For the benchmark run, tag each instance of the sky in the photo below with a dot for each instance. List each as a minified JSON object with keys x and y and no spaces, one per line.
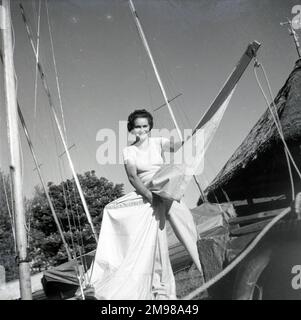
{"x":104,"y":74}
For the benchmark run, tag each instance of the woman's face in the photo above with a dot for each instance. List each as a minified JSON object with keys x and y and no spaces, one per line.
{"x":141,"y":128}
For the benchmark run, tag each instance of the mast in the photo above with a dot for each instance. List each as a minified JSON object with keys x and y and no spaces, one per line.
{"x":147,"y":48}
{"x":15,"y":161}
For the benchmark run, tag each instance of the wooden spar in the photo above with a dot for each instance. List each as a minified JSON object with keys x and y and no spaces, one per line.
{"x":229,"y":85}
{"x":15,"y":166}
{"x":46,"y":88}
{"x":43,"y":183}
{"x":147,"y":48}
{"x":170,"y":100}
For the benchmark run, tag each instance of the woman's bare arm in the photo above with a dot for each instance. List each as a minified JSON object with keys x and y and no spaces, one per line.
{"x":136,"y":182}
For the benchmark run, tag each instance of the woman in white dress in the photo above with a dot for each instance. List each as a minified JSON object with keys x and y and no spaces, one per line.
{"x":132,"y":260}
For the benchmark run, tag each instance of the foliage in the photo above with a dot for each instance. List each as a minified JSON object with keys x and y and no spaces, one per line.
{"x":7,"y":243}
{"x":46,"y":246}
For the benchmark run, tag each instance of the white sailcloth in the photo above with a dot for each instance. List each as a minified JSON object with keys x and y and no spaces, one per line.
{"x":171,"y":180}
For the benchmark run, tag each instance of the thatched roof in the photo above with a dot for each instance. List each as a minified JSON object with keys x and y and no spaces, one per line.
{"x":258,"y":167}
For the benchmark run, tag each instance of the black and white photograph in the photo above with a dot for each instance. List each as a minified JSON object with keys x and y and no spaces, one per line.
{"x":150,"y":150}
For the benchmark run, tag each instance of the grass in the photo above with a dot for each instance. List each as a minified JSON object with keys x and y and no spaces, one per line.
{"x":188,"y":280}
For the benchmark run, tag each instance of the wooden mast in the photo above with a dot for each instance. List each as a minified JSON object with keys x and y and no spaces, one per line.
{"x":15,"y":160}
{"x":40,"y":175}
{"x":147,"y":48}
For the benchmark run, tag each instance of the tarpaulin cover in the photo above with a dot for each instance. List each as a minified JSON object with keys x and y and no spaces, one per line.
{"x":66,"y":272}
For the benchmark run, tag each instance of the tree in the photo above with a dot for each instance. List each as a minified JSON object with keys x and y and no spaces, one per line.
{"x":7,"y":242}
{"x":46,"y":246}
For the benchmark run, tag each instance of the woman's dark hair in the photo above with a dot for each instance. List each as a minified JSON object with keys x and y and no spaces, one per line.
{"x":139,"y":114}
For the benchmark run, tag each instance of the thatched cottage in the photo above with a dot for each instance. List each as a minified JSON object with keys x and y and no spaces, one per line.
{"x":257,"y":173}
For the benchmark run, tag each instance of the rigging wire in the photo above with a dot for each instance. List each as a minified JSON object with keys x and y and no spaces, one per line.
{"x":56,"y":71}
{"x":277,"y":123}
{"x":36,"y":69}
{"x":37,"y":62}
{"x":34,"y":9}
{"x":81,"y":229}
{"x":51,"y":105}
{"x":272,"y":222}
{"x":62,"y":115}
{"x":58,"y":159}
{"x":78,"y":231}
{"x":77,"y":269}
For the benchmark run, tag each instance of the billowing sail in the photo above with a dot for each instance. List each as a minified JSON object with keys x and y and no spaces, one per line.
{"x":171,"y":180}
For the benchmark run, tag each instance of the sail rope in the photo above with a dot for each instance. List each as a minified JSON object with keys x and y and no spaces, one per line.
{"x":51,"y":105}
{"x":79,"y":235}
{"x":58,"y":86}
{"x":46,"y":88}
{"x":276,"y":119}
{"x":280,"y":216}
{"x":79,"y":232}
{"x":68,"y":201}
{"x":239,"y":258}
{"x":77,"y":268}
{"x":36,"y":70}
{"x":66,"y":210}
{"x":56,"y":71}
{"x":37,"y":61}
